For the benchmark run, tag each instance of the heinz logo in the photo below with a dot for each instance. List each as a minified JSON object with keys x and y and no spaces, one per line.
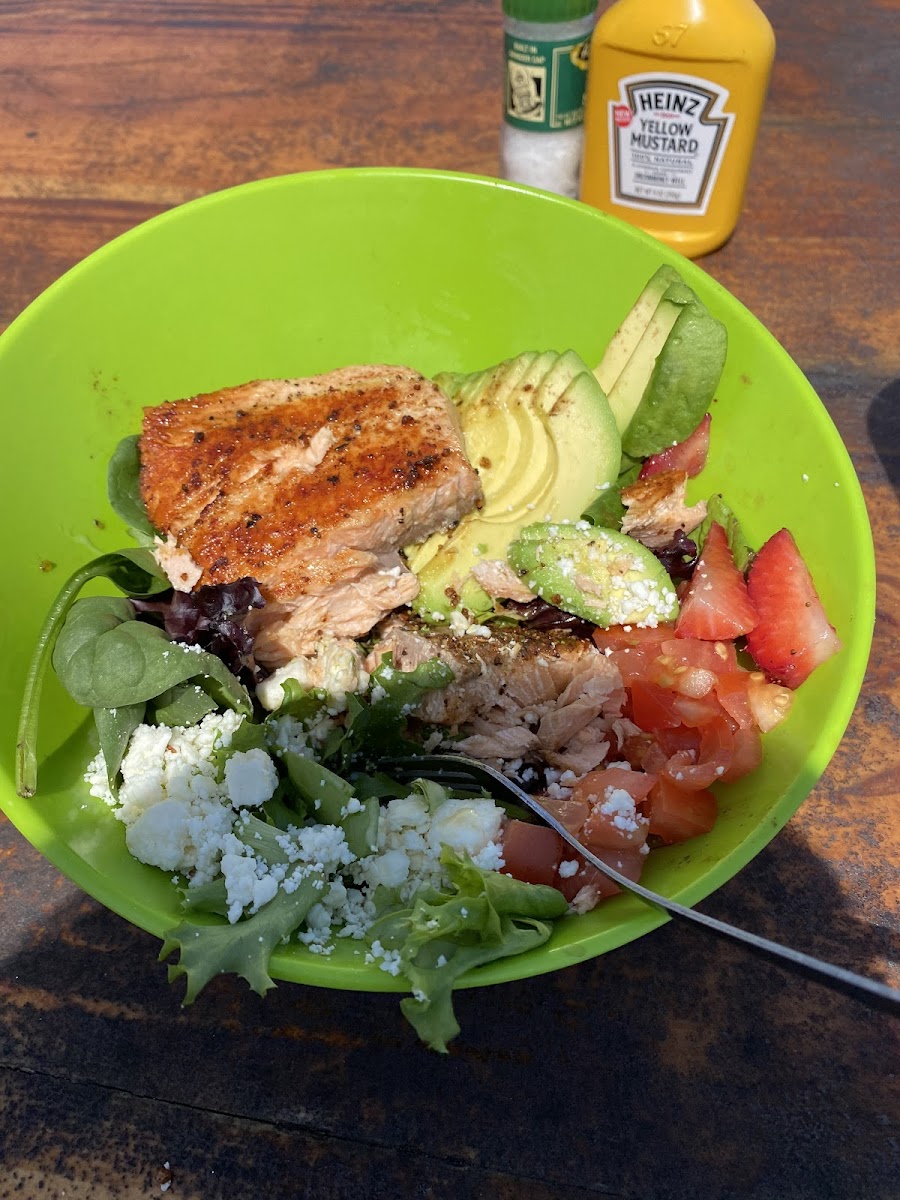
{"x":671,"y":102}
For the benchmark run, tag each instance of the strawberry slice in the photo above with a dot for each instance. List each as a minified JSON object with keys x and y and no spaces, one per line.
{"x":793,"y":634}
{"x":689,"y":455}
{"x":716,"y":606}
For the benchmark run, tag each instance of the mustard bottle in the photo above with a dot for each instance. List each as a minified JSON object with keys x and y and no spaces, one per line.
{"x":674,"y":96}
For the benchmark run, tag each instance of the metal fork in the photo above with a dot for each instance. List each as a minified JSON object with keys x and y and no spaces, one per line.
{"x":455,"y":770}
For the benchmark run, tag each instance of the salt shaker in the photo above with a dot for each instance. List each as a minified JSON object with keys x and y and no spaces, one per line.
{"x":546,"y":46}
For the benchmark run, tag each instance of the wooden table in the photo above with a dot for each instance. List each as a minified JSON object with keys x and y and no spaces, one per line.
{"x":672,"y":1068}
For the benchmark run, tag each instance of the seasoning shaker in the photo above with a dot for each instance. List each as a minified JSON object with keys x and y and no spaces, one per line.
{"x":546,"y":44}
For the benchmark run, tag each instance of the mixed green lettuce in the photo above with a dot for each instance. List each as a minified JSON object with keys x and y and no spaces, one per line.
{"x":442,"y":935}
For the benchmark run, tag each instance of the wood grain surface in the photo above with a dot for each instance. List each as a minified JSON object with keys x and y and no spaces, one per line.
{"x":672,"y":1068}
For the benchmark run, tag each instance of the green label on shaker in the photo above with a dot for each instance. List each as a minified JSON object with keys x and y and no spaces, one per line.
{"x":545,"y":83}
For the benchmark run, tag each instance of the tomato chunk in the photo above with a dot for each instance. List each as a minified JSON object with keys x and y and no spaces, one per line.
{"x":531,"y":852}
{"x":618,"y":637}
{"x":653,"y":707}
{"x":597,"y":886}
{"x":595,"y":784}
{"x":676,"y":815}
{"x":572,"y":813}
{"x":717,"y":657}
{"x":747,"y":753}
{"x":712,"y":761}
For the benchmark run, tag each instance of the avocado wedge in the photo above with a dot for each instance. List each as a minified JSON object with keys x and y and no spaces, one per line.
{"x":667,"y":364}
{"x":624,"y":341}
{"x":598,"y":574}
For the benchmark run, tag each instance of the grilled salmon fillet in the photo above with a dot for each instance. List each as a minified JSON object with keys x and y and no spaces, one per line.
{"x":309,"y":486}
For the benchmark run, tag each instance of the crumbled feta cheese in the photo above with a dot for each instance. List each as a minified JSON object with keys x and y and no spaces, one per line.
{"x":159,"y":836}
{"x":466,"y":825}
{"x":250,"y":778}
{"x":335,"y":666}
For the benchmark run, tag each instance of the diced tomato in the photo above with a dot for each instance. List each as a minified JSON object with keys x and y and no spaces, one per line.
{"x":769,"y":703}
{"x":640,"y":662}
{"x":676,"y":815}
{"x":570,"y":812}
{"x":635,"y":748}
{"x":629,"y":863}
{"x":671,"y":741}
{"x":655,"y":757}
{"x":717,"y":657}
{"x":653,"y":707}
{"x":531,"y":852}
{"x":618,"y":637}
{"x":747,"y":752}
{"x":717,"y":606}
{"x":689,"y":455}
{"x":691,"y":773}
{"x":595,"y":784}
{"x":697,"y":711}
{"x":608,"y":830}
{"x":731,"y":692}
{"x":601,"y":832}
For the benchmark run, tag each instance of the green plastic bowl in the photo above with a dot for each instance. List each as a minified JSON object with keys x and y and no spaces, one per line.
{"x":304,"y":273}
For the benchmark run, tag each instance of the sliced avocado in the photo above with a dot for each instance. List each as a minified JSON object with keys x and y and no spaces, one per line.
{"x":634,"y":378}
{"x":625,"y":339}
{"x":683,"y":383}
{"x":542,"y":437}
{"x":598,"y":574}
{"x":450,"y":382}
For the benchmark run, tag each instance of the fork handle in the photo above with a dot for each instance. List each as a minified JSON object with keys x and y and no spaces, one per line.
{"x":838,"y":978}
{"x":460,"y":769}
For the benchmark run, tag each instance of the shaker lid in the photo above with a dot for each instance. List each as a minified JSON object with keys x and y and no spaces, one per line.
{"x":548,"y":12}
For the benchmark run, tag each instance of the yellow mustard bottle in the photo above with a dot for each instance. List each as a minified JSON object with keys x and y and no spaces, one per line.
{"x":674,"y":96}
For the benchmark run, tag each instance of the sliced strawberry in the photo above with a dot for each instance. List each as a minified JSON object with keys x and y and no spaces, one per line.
{"x":793,"y":634}
{"x":689,"y":455}
{"x":716,"y":606}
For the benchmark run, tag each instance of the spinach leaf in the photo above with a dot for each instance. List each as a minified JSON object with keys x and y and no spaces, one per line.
{"x":284,"y":807}
{"x":123,"y":486}
{"x":247,"y":736}
{"x":303,"y":704}
{"x":185,"y":704}
{"x":608,"y":510}
{"x":376,"y":724}
{"x":115,"y":727}
{"x":133,"y":571}
{"x":105,"y":658}
{"x":717,"y":510}
{"x":332,"y":802}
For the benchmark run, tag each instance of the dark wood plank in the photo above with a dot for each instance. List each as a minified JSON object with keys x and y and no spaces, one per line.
{"x":666,"y":1053}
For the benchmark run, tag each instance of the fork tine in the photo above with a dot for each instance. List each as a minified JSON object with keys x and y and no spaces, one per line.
{"x":453,"y":770}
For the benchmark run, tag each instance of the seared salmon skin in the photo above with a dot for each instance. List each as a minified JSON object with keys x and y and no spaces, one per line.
{"x":309,"y":486}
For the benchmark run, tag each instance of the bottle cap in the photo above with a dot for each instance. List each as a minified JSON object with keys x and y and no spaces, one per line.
{"x":548,"y":12}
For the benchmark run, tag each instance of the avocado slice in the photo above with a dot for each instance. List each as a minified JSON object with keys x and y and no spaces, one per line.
{"x":598,"y":574}
{"x":683,"y":383}
{"x":629,"y":389}
{"x":673,"y":369}
{"x":624,"y":341}
{"x":540,"y":433}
